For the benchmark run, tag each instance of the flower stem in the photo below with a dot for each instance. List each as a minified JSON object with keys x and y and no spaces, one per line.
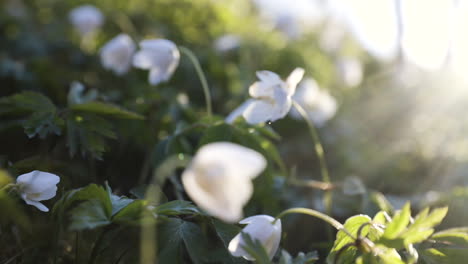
{"x":201,"y":76}
{"x":300,"y":210}
{"x":317,"y":145}
{"x":327,"y":199}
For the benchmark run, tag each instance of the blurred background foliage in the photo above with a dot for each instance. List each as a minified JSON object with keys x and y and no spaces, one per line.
{"x":401,"y":130}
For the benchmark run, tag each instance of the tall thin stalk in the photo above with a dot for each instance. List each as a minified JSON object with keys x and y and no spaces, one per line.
{"x":201,"y":76}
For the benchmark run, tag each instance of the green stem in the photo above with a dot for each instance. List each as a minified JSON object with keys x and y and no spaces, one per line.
{"x":201,"y":76}
{"x":327,"y":199}
{"x":317,"y":145}
{"x":300,"y":210}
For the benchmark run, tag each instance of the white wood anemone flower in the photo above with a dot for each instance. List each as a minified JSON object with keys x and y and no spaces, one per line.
{"x":219,"y":178}
{"x":159,"y":56}
{"x":117,"y":54}
{"x":261,"y":228}
{"x":86,"y":19}
{"x":37,"y":186}
{"x":319,"y":104}
{"x":271,"y":98}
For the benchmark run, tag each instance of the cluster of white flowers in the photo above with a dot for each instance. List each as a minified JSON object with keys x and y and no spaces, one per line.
{"x":159,"y":56}
{"x":219,"y":180}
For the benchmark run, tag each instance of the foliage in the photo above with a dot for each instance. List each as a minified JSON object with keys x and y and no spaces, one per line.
{"x":62,"y":112}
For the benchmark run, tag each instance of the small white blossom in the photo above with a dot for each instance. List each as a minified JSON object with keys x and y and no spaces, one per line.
{"x":350,"y":71}
{"x":86,"y":18}
{"x":159,"y":56}
{"x":219,"y":178}
{"x":37,"y":186}
{"x":117,"y":54}
{"x":319,"y":104}
{"x":271,"y":98}
{"x":261,"y":228}
{"x":227,"y":43}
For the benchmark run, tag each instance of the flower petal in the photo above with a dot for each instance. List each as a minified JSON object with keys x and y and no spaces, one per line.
{"x":293,"y":79}
{"x":37,"y":181}
{"x":143,"y":59}
{"x":261,"y":228}
{"x":269,"y":77}
{"x":258,"y":111}
{"x":219,"y":178}
{"x":117,"y":54}
{"x":238,"y":111}
{"x":37,"y":204}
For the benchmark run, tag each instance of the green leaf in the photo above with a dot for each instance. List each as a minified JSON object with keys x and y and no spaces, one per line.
{"x":26,"y":102}
{"x":218,"y":132}
{"x":423,"y":225}
{"x":382,"y":202}
{"x":105,"y":109}
{"x":399,"y":223}
{"x":384,"y":256}
{"x":89,"y":215}
{"x":90,"y":192}
{"x":352,"y":225}
{"x":180,"y":240}
{"x":118,"y":202}
{"x":255,"y":249}
{"x":38,"y":111}
{"x":177,"y":207}
{"x":88,"y":134}
{"x":132,"y":213}
{"x":450,"y":246}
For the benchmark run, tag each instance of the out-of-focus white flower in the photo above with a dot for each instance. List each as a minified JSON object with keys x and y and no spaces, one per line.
{"x":37,"y":186}
{"x":86,"y":18}
{"x":227,"y":43}
{"x":319,"y":104}
{"x":350,"y":71}
{"x":259,"y":227}
{"x":271,"y":98}
{"x":219,"y":178}
{"x":160,"y":56}
{"x":117,"y":54}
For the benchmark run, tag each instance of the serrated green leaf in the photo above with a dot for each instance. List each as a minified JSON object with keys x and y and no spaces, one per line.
{"x":89,"y":215}
{"x":352,"y":225}
{"x":449,"y":246}
{"x":399,"y":223}
{"x":178,"y":238}
{"x":132,"y":213}
{"x":176,"y":207}
{"x":105,"y":109}
{"x":118,"y":202}
{"x":38,"y":115}
{"x":90,"y":192}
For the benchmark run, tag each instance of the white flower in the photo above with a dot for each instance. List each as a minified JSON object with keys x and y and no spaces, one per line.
{"x":319,"y":104}
{"x":350,"y":71}
{"x":271,"y":98}
{"x":227,"y":43}
{"x":160,"y":56}
{"x":117,"y":54}
{"x":259,"y":227}
{"x":219,"y":178}
{"x":37,"y":186}
{"x":86,"y":18}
